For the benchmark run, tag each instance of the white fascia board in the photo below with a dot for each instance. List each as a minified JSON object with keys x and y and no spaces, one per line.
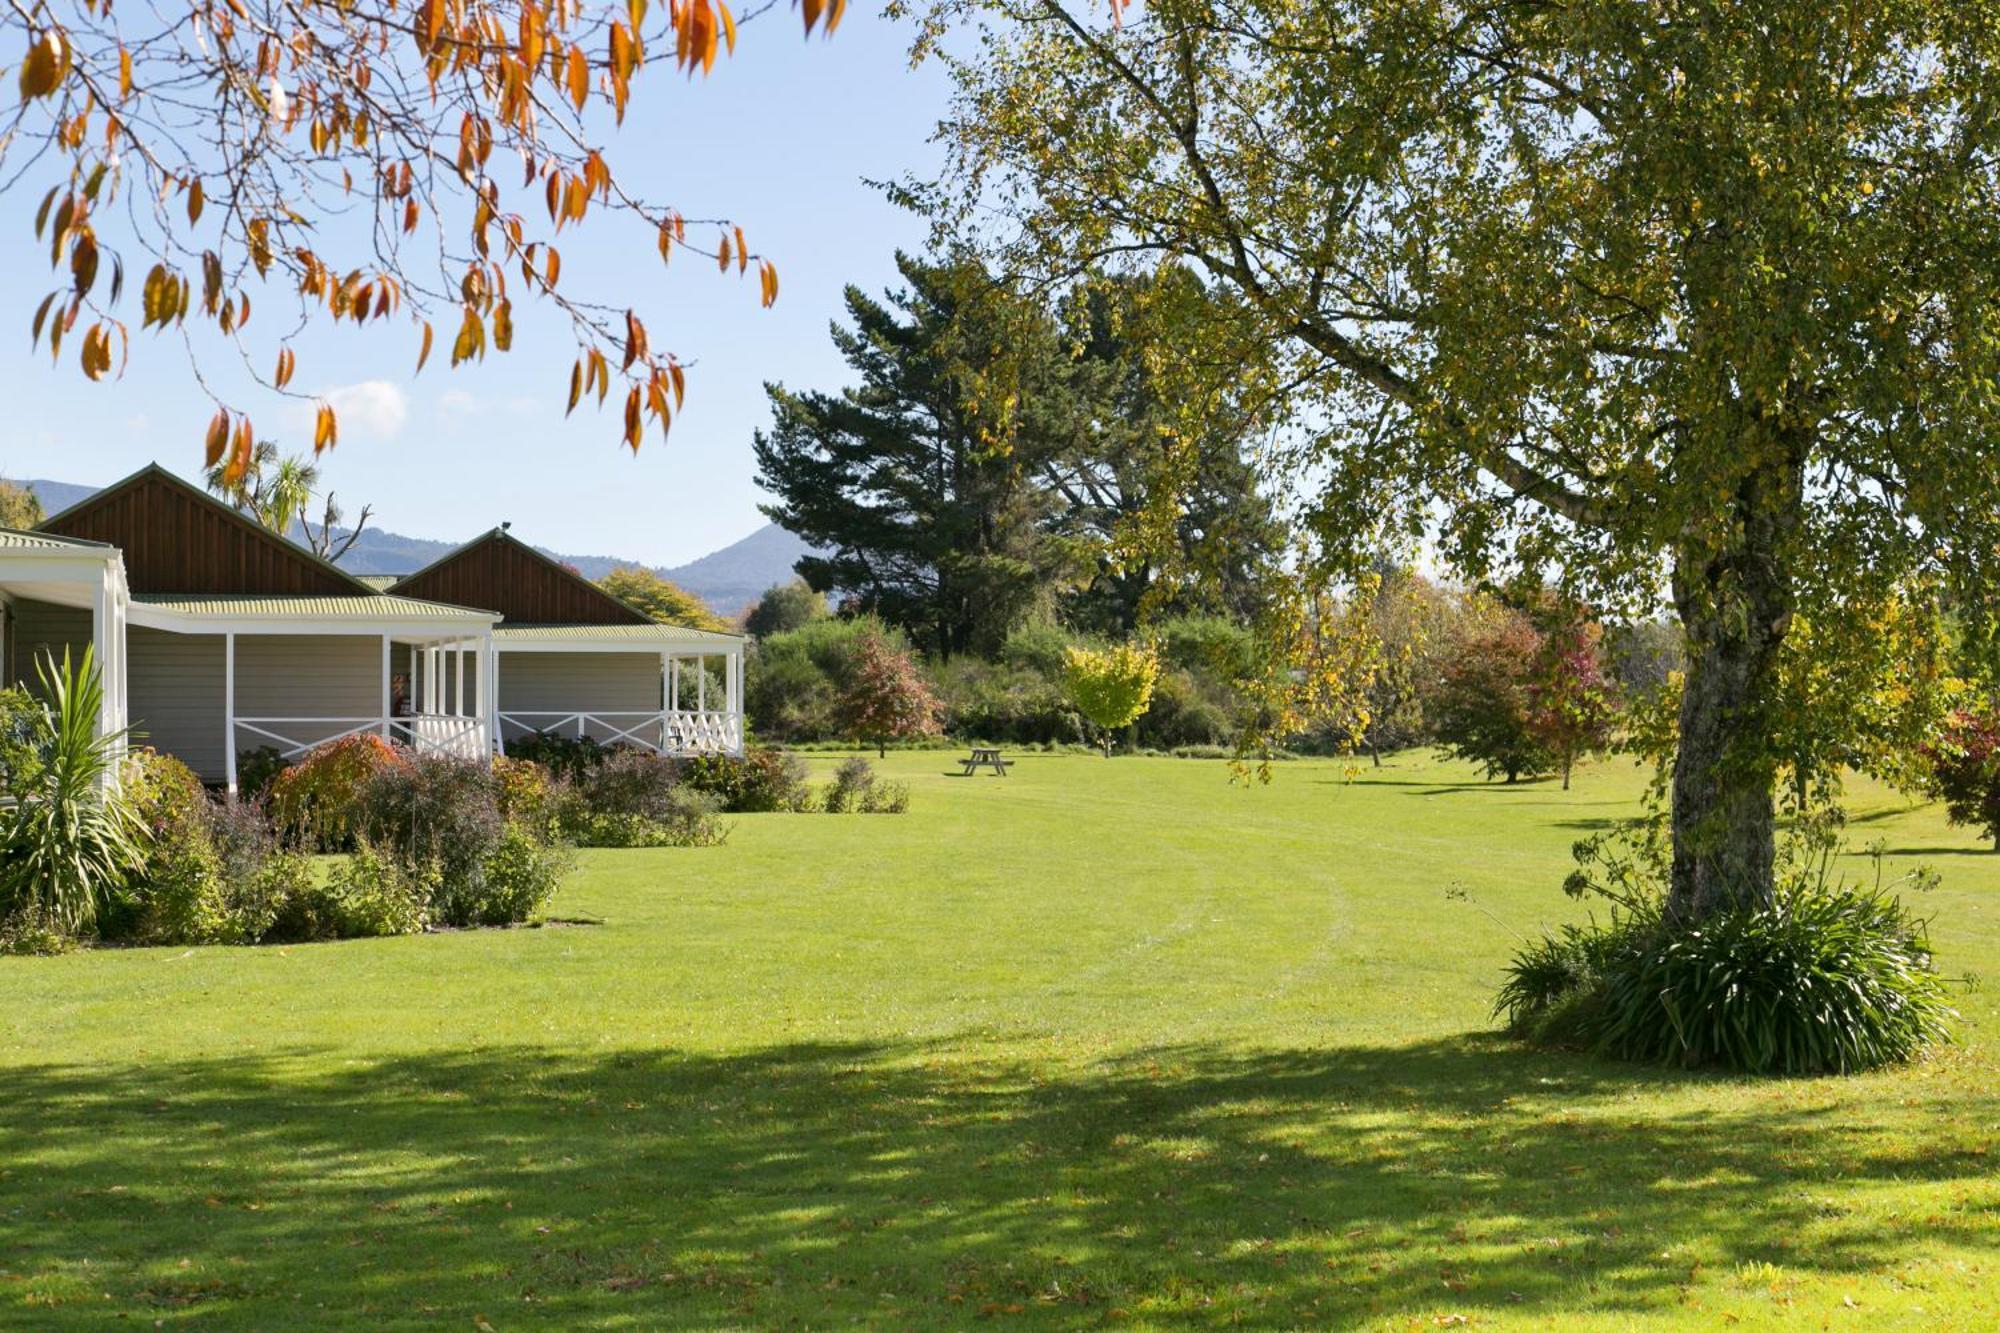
{"x":420,"y":628}
{"x":646,"y":648}
{"x":60,"y":566}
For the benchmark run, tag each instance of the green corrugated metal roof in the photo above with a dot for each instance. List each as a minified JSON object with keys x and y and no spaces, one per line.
{"x":18,"y":539}
{"x":378,"y":606}
{"x":639,"y":635}
{"x":380,"y":582}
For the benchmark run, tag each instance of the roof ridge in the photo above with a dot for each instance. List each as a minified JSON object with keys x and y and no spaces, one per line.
{"x":214,"y":502}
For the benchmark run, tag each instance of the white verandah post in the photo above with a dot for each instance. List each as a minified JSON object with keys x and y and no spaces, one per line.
{"x":489,"y":698}
{"x":388,"y":670}
{"x":229,"y":709}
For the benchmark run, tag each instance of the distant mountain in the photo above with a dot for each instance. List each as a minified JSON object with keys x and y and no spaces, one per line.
{"x":57,"y":496}
{"x":729,"y":580}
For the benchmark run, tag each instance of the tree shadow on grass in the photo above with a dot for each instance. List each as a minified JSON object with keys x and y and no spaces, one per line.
{"x":916,"y":1185}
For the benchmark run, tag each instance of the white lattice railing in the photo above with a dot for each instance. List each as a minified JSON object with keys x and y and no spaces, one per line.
{"x":663,"y":731}
{"x":441,"y":733}
{"x":300,"y":733}
{"x":426,"y":733}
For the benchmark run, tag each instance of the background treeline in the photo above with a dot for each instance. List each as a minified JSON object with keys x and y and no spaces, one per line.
{"x":1004,"y":481}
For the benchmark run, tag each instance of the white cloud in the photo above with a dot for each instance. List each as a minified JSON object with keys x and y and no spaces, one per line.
{"x":374,"y":409}
{"x":456,"y":404}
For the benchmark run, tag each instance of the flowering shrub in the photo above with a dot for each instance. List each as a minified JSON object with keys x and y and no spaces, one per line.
{"x":316,"y":801}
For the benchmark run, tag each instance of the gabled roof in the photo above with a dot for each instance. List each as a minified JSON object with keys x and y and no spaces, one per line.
{"x":499,"y":571}
{"x":177,"y":538}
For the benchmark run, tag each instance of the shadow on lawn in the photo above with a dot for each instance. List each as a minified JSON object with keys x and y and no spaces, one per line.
{"x":913,"y":1185}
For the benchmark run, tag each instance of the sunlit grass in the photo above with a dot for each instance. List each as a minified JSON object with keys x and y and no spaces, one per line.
{"x":1098,"y":1043}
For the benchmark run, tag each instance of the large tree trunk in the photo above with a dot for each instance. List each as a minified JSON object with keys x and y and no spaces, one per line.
{"x":1734,"y":595}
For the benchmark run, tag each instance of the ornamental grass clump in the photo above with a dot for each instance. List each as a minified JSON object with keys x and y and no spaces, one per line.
{"x":1827,"y":977}
{"x":71,"y":840}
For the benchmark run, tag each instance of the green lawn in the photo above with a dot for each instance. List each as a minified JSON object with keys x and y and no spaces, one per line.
{"x":1102,"y":1043}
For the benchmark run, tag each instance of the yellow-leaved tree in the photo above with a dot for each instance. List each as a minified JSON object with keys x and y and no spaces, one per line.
{"x":1111,"y":687}
{"x":196,"y":152}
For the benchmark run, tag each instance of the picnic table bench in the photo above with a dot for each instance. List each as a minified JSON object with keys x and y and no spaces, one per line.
{"x":987,"y":757}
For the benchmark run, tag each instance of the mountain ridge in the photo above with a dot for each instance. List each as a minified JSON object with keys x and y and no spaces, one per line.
{"x":729,"y":579}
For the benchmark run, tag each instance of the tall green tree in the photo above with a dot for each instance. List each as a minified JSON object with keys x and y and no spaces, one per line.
{"x":1686,"y":300}
{"x":916,"y":480}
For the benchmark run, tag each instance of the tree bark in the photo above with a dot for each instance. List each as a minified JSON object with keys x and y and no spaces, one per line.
{"x":1734,"y":596}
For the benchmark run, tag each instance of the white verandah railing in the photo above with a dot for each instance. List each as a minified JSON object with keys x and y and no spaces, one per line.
{"x":672,"y":731}
{"x":426,"y":733}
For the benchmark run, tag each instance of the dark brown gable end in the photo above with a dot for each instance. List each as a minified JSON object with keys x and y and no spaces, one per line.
{"x":502,"y":574}
{"x":177,"y":539}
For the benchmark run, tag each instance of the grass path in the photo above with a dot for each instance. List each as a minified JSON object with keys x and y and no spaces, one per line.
{"x":1101,"y":1044}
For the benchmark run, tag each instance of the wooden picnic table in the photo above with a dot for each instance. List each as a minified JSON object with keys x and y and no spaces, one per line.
{"x":985,"y":756}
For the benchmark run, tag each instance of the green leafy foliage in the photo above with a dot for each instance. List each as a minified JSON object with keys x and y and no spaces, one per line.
{"x":257,"y":769}
{"x":176,"y":895}
{"x":1828,"y":977}
{"x":373,"y":892}
{"x":71,"y":841}
{"x":857,"y":789}
{"x":793,"y":681}
{"x":1760,"y":389}
{"x":991,"y":463}
{"x":784,"y":608}
{"x":20,"y":724}
{"x":762,"y":780}
{"x":561,"y":756}
{"x":440,"y":813}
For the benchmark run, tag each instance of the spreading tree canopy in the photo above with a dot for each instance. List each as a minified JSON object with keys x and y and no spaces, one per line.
{"x":192,"y":154}
{"x":1680,"y":298}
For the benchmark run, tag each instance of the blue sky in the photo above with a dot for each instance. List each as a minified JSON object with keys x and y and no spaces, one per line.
{"x":780,"y":137}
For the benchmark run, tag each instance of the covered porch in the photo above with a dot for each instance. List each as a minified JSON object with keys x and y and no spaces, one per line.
{"x":64,"y":595}
{"x":217,"y":679}
{"x":663,"y":688}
